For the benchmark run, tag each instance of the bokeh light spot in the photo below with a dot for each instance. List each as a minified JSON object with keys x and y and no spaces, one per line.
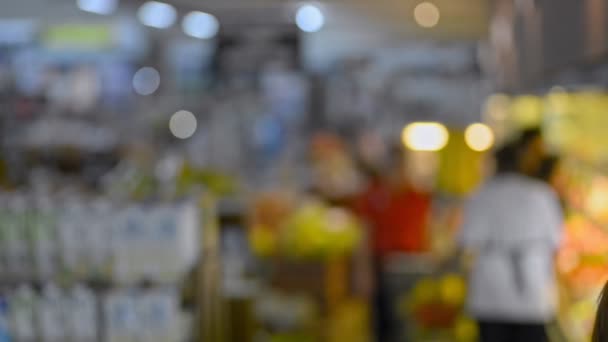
{"x":157,"y":14}
{"x":182,"y":124}
{"x":200,"y":25}
{"x":103,"y":7}
{"x":425,"y":136}
{"x":427,"y":14}
{"x":479,"y":137}
{"x":146,"y":81}
{"x":310,"y":18}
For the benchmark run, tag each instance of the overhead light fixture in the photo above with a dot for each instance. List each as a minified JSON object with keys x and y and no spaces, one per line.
{"x":200,"y":25}
{"x":425,"y":136}
{"x":479,"y":137}
{"x":310,"y":18}
{"x":103,"y":7}
{"x":157,"y":14}
{"x":182,"y":124}
{"x":427,"y":14}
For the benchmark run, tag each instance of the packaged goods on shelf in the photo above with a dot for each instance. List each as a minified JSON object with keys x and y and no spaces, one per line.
{"x":76,"y":255}
{"x":54,"y":314}
{"x":4,"y":321}
{"x":80,"y":313}
{"x":165,"y":234}
{"x":151,"y":315}
{"x":22,"y":305}
{"x":92,"y":239}
{"x":82,"y":316}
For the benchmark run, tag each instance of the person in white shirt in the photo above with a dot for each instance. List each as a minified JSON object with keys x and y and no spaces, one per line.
{"x":512,"y":226}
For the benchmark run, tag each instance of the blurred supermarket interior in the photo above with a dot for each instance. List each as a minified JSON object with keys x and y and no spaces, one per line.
{"x":195,"y":170}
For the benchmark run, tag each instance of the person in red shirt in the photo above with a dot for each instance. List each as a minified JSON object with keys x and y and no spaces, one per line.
{"x":395,"y":211}
{"x":396,"y":214}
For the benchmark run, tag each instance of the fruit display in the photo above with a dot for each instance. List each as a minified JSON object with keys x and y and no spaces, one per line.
{"x":317,"y":231}
{"x":585,"y":190}
{"x":435,"y":306}
{"x":583,"y":257}
{"x":574,"y":124}
{"x":582,"y":260}
{"x":310,"y":230}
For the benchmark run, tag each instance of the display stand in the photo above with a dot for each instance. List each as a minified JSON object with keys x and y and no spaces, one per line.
{"x":210,"y":312}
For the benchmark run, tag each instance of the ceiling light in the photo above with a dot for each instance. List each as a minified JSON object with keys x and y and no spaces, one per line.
{"x":310,"y":18}
{"x":157,"y":14}
{"x":103,"y":7}
{"x":479,"y":137}
{"x":427,"y":14}
{"x":200,"y":25}
{"x":425,"y":136}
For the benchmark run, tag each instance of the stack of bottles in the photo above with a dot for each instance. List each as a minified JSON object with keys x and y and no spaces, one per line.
{"x":76,"y":268}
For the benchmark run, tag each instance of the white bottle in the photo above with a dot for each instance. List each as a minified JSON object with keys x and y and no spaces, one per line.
{"x":98,"y":244}
{"x":4,"y":216}
{"x":51,"y":314}
{"x":128,"y":246}
{"x":161,"y":244}
{"x":23,"y":305}
{"x":158,"y":316}
{"x":120,"y":317}
{"x":82,"y":319}
{"x":43,"y":232}
{"x":18,"y":258}
{"x":69,"y":237}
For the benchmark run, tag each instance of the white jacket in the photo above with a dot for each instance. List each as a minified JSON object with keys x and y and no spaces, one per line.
{"x":513,"y":225}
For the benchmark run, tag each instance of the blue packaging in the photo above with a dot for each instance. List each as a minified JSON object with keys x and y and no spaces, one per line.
{"x":4,"y":329}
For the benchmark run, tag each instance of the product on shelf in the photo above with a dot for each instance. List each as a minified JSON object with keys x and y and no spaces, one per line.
{"x":582,"y":257}
{"x":22,"y":310}
{"x":65,"y":255}
{"x":81,"y":314}
{"x":315,"y":230}
{"x":436,"y":308}
{"x":5,"y":333}
{"x":279,"y":226}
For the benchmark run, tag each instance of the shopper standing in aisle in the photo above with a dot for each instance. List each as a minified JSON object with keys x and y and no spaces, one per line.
{"x":512,"y":227}
{"x":396,"y":213}
{"x":531,"y":152}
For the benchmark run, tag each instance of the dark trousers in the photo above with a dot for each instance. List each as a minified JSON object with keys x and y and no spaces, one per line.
{"x":382,"y":306}
{"x":511,"y":332}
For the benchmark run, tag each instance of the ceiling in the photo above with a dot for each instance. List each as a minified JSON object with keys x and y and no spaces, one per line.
{"x":460,"y":19}
{"x":353,"y":27}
